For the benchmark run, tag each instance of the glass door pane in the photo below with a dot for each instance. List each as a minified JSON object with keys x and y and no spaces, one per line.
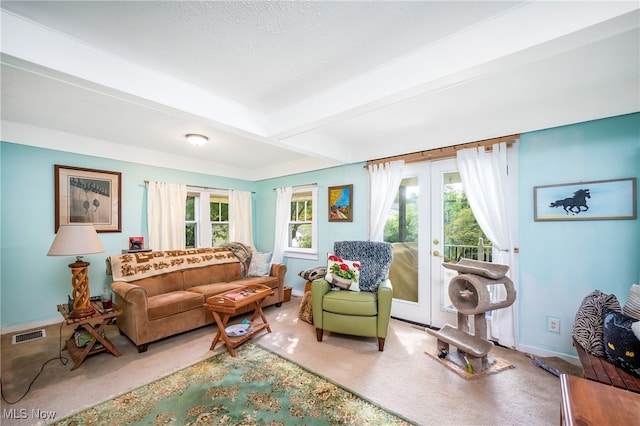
{"x":445,"y":181}
{"x":402,"y":231}
{"x":407,"y":229}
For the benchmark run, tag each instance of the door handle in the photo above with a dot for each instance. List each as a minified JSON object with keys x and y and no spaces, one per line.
{"x":436,"y":253}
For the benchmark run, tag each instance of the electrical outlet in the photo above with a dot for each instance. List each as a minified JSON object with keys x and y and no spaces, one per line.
{"x":553,"y":324}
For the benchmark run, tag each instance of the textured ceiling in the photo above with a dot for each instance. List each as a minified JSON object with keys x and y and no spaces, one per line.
{"x":285,"y":87}
{"x":262,"y":54}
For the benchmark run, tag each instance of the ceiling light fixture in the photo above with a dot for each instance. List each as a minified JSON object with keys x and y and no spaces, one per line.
{"x":196,"y":139}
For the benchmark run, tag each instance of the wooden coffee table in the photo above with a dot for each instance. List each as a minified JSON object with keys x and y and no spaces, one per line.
{"x":227,"y":304}
{"x":102,"y":319}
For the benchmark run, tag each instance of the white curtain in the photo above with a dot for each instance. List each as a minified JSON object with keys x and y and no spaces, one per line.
{"x":283,"y":216}
{"x":490,"y":182}
{"x":240,"y":217}
{"x":166,"y":208}
{"x":384,"y":181}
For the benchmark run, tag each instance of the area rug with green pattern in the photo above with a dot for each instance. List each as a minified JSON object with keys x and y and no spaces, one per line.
{"x":256,"y":387}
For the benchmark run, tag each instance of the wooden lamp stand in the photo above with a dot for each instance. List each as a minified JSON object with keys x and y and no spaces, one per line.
{"x":81,"y":295}
{"x":78,"y":240}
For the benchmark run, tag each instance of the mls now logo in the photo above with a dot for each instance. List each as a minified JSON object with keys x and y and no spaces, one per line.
{"x":23,"y":413}
{"x":15,"y":413}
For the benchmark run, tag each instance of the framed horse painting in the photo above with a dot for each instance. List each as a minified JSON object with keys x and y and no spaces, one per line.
{"x":596,"y":200}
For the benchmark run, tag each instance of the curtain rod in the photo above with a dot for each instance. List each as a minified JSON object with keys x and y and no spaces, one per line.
{"x":445,"y":152}
{"x":298,"y":186}
{"x":204,"y":187}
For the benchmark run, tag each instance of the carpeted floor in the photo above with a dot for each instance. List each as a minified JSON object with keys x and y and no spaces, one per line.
{"x":402,"y":379}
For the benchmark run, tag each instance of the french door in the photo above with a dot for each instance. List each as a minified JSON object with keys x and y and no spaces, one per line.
{"x":416,"y":229}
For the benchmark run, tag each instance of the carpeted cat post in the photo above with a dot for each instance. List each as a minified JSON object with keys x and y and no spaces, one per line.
{"x":469,"y":293}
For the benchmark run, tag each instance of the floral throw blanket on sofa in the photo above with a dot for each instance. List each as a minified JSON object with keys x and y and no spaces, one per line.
{"x":134,"y":266}
{"x":243,"y":253}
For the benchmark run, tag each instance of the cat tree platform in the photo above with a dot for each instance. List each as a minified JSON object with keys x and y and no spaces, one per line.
{"x":470,"y":295}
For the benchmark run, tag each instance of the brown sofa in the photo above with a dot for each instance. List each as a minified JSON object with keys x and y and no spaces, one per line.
{"x":162,"y":293}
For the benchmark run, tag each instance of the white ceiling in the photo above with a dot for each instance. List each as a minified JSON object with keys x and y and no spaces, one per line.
{"x":286,"y":87}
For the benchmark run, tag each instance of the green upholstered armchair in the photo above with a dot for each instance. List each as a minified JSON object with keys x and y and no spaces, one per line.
{"x":359,"y":313}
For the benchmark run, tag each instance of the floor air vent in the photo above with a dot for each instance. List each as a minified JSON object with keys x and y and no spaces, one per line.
{"x":31,"y":335}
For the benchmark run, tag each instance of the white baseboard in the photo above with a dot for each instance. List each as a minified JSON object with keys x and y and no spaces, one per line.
{"x":573,"y":359}
{"x":18,"y":328}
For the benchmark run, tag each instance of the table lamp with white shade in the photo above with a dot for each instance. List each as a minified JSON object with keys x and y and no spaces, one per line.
{"x":78,"y":240}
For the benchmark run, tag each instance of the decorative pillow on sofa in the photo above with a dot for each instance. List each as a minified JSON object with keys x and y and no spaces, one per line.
{"x":343,"y":274}
{"x":622,"y":347}
{"x":260,"y":265}
{"x":313,"y":273}
{"x":587,"y":327}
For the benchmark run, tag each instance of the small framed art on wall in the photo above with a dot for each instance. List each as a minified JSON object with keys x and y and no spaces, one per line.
{"x":341,"y":203}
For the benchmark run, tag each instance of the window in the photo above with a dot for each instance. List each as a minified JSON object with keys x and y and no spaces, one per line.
{"x":215,"y":214}
{"x":219,"y":215}
{"x":302,"y":225}
{"x":191,"y":223}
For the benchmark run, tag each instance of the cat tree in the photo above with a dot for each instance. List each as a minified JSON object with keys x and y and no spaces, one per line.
{"x":469,"y":294}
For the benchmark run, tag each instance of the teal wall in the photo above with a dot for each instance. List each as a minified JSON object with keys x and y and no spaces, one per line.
{"x":328,"y":232}
{"x":32,"y":282}
{"x":560,"y":262}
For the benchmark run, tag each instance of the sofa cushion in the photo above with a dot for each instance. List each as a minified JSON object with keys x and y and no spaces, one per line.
{"x":155,"y":286}
{"x":211,"y":274}
{"x":209,"y":290}
{"x":174,"y":302}
{"x":350,"y":303}
{"x":268,"y":281}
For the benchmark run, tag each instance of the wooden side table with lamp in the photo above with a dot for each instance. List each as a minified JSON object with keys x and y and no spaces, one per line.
{"x":79,"y":240}
{"x":98,"y":342}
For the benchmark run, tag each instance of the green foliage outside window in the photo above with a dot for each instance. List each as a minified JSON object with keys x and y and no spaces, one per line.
{"x":301,"y":235}
{"x":218,"y":216}
{"x":460,"y":226}
{"x":300,"y":228}
{"x":191,"y":208}
{"x":392,"y":229}
{"x":219,"y":212}
{"x":190,"y":228}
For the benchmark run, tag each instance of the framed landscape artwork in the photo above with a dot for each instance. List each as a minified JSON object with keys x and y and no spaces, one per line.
{"x":596,"y":200}
{"x":341,"y":203}
{"x":88,"y":196}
